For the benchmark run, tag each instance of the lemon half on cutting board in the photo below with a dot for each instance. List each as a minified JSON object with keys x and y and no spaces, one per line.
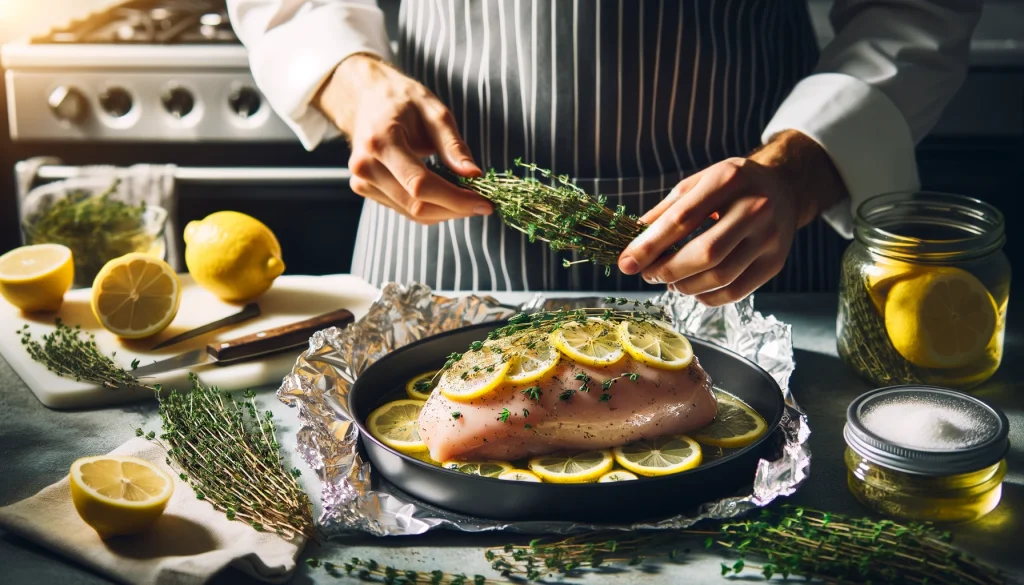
{"x":119,"y":495}
{"x":135,"y":296}
{"x":36,"y":278}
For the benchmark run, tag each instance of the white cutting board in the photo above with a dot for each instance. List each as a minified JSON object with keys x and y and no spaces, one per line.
{"x":290,"y":299}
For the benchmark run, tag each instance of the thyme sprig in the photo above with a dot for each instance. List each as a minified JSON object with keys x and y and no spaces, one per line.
{"x":374,"y":572}
{"x":788,"y":541}
{"x":553,"y":209}
{"x":228,"y":452}
{"x":70,"y":353}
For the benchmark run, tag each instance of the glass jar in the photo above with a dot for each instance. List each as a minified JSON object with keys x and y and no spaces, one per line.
{"x":925,"y":453}
{"x":85,"y":215}
{"x":923,"y":291}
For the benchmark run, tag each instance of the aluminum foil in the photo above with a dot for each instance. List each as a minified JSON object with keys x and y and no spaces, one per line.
{"x":354,"y":500}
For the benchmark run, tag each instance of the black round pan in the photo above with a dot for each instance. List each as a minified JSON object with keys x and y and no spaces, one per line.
{"x":624,"y":501}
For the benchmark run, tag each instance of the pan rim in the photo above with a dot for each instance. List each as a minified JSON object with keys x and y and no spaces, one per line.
{"x":772,"y":426}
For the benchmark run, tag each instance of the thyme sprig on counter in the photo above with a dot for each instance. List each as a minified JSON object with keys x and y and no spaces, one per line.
{"x":70,"y":353}
{"x":228,"y":452}
{"x":525,"y":330}
{"x":787,"y":541}
{"x":554,"y":210}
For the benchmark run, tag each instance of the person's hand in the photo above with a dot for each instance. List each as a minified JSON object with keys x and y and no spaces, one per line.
{"x":392,"y":122}
{"x":759,"y":203}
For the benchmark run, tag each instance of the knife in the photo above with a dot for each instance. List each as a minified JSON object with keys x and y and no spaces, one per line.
{"x":248,"y":312}
{"x":246,"y":347}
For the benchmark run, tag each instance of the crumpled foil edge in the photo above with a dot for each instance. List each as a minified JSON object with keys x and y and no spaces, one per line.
{"x":319,"y":383}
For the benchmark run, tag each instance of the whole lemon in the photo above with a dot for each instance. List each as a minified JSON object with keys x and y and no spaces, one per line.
{"x":940,"y":318}
{"x":233,"y":255}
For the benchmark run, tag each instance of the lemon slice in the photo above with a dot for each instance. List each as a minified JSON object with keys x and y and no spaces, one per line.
{"x":735,"y":425}
{"x":617,"y":475}
{"x":481,"y":468}
{"x":579,"y":468}
{"x":119,"y":495}
{"x":466,"y":381}
{"x":654,"y":343}
{"x":593,"y":343}
{"x":410,"y":386}
{"x":520,"y":475}
{"x":35,"y":278}
{"x":397,"y":425}
{"x":661,"y":456}
{"x":533,"y":363}
{"x":135,"y":296}
{"x":940,"y":318}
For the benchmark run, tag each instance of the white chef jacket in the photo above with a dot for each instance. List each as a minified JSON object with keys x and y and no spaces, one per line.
{"x":879,"y":87}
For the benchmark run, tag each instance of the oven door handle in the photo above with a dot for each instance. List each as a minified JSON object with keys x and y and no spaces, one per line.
{"x":220,"y":174}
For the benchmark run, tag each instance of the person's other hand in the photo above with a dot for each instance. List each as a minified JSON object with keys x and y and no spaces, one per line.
{"x":392,"y":122}
{"x":759,"y":201}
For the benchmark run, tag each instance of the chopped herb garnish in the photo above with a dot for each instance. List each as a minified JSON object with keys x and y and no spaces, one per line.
{"x":605,"y":398}
{"x":533,"y":393}
{"x":567,"y":394}
{"x":456,"y":415}
{"x":526,"y":413}
{"x":503,"y":417}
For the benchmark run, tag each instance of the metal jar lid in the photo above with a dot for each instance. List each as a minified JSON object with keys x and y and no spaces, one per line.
{"x":986,"y":443}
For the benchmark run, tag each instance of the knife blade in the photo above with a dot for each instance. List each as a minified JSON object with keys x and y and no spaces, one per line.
{"x":243,"y":348}
{"x":250,"y":311}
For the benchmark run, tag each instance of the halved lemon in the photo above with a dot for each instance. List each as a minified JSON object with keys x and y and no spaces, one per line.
{"x":661,"y":456}
{"x":410,"y":386}
{"x":36,"y":278}
{"x":617,"y":475}
{"x":735,"y":425}
{"x":135,"y":296}
{"x":940,"y":318}
{"x":579,"y":468}
{"x":656,"y":344}
{"x":482,"y":468}
{"x":520,"y":475}
{"x":533,"y":363}
{"x":397,"y":425}
{"x":593,"y":342}
{"x":469,"y":379}
{"x":119,"y":495}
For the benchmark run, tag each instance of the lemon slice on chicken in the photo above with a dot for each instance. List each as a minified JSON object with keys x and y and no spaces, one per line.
{"x":397,"y":425}
{"x":413,"y":387}
{"x":580,"y":468}
{"x":481,"y":468}
{"x":520,"y":475}
{"x":593,"y":343}
{"x":735,"y":425}
{"x":466,"y":380}
{"x":533,"y":362}
{"x":617,"y":475}
{"x":654,"y":343}
{"x":661,"y":456}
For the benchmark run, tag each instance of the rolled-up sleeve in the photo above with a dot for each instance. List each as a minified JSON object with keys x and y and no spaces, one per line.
{"x":295,"y":45}
{"x":879,"y":87}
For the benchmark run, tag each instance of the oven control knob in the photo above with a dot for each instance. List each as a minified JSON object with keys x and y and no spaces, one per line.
{"x":116,"y":101}
{"x":178,"y":102}
{"x":68,"y":104}
{"x":245,"y":101}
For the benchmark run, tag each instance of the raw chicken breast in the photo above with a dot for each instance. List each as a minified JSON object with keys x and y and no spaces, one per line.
{"x":659,"y":402}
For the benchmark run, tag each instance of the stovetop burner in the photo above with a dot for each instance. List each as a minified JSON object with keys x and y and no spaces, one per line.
{"x":149,"y":22}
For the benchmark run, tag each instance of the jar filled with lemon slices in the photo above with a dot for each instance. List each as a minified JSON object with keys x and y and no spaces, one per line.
{"x":924,"y":290}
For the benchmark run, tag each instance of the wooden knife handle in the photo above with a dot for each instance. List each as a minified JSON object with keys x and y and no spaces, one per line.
{"x":278,"y":338}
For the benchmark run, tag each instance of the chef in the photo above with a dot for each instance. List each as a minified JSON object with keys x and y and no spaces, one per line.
{"x":679,"y":110}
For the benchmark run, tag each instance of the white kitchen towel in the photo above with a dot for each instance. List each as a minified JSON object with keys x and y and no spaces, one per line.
{"x":188,"y":545}
{"x":153,"y":184}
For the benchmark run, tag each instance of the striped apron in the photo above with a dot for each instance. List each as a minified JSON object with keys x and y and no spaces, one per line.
{"x":626,"y":97}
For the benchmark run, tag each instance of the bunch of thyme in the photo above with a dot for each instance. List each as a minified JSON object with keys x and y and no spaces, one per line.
{"x":788,"y":541}
{"x":70,"y":353}
{"x":228,"y":452}
{"x":372,"y":571}
{"x":524,"y":331}
{"x":556,"y":211}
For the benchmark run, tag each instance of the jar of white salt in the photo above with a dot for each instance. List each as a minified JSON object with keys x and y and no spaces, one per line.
{"x":926,"y":453}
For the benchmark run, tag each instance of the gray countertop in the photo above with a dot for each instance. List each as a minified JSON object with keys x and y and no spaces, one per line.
{"x":37,"y":445}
